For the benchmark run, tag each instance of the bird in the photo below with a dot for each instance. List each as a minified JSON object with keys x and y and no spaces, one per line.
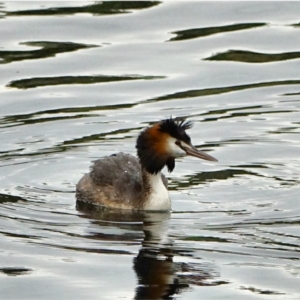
{"x":122,"y":181}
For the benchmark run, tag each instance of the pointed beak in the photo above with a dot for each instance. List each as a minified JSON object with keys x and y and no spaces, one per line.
{"x":191,"y":150}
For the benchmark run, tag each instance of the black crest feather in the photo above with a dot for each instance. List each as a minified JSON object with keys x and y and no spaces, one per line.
{"x":176,"y":128}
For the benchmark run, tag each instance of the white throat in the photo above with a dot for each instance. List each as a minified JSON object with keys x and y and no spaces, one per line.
{"x":158,"y":198}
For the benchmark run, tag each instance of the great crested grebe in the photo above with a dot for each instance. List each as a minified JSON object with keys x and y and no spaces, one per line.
{"x":123,"y":181}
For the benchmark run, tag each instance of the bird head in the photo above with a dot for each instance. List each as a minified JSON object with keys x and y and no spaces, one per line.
{"x":159,"y":145}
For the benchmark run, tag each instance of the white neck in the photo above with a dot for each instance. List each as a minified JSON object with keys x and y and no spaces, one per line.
{"x":158,"y":198}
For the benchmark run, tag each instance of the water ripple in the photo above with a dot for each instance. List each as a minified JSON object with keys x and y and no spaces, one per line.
{"x":200,"y":32}
{"x":253,"y":57}
{"x":48,"y":49}
{"x":98,"y":9}
{"x":67,"y":80}
{"x":222,"y":90}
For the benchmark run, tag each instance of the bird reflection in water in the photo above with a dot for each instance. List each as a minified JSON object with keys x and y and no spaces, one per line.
{"x":159,"y":277}
{"x":154,"y":266}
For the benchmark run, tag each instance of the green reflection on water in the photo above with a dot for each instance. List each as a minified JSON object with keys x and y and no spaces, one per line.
{"x":62,"y":80}
{"x":200,"y":32}
{"x":260,"y":291}
{"x":48,"y":49}
{"x":203,"y":177}
{"x":99,"y":8}
{"x":225,"y":174}
{"x":208,"y":239}
{"x":253,"y":57}
{"x":10,"y":198}
{"x":222,"y":90}
{"x":73,"y":112}
{"x":14,"y":271}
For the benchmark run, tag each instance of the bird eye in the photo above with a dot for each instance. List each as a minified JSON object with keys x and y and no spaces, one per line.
{"x":178,"y":143}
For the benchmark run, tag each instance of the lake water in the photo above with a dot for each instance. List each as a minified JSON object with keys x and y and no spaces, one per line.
{"x":79,"y":80}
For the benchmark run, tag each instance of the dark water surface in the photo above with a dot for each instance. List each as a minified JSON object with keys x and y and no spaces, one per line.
{"x":79,"y":80}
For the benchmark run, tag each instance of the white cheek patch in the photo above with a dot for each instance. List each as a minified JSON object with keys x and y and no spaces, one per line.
{"x":173,"y":149}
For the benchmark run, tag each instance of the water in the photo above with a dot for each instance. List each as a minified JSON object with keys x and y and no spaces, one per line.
{"x":79,"y":80}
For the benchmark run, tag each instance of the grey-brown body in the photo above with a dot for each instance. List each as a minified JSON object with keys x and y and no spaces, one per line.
{"x":116,"y":181}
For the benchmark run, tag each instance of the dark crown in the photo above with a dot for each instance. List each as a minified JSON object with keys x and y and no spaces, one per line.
{"x":176,"y":128}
